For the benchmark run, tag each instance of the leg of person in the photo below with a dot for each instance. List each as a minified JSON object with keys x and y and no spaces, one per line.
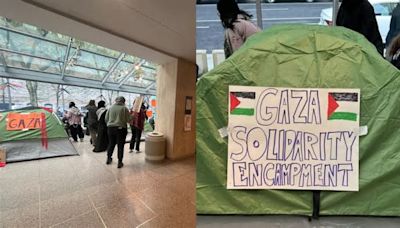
{"x":132,"y":143}
{"x":121,"y":143}
{"x":74,"y":132}
{"x":112,"y":141}
{"x":93,"y":134}
{"x":138,"y":136}
{"x":80,"y":133}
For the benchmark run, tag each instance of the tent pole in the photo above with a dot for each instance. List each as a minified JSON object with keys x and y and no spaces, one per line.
{"x":9,"y":93}
{"x":62,"y":97}
{"x":259,"y":14}
{"x":316,"y":203}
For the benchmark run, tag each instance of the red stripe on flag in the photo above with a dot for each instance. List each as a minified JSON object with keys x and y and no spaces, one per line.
{"x":234,"y":102}
{"x":43,"y":131}
{"x":332,"y":105}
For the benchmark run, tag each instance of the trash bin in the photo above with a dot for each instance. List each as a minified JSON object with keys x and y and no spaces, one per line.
{"x":155,"y":146}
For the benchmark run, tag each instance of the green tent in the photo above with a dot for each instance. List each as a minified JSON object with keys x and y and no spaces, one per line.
{"x":304,"y":56}
{"x":33,"y":133}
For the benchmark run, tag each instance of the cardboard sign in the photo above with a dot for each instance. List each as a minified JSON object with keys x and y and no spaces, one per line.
{"x":23,"y":121}
{"x":293,"y":138}
{"x":137,"y":104}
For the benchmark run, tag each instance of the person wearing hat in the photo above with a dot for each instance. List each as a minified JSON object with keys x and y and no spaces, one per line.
{"x":117,"y":118}
{"x":237,"y":25}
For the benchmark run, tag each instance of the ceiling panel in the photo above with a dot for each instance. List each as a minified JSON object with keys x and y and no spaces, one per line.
{"x":166,"y":26}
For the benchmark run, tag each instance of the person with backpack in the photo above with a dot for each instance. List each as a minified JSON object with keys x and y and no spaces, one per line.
{"x":237,"y":25}
{"x":74,"y":117}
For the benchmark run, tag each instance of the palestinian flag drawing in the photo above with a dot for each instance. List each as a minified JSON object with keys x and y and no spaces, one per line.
{"x":242,"y":103}
{"x":342,"y":106}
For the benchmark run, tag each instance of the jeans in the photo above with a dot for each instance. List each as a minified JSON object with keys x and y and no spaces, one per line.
{"x":136,"y":135}
{"x":76,"y":130}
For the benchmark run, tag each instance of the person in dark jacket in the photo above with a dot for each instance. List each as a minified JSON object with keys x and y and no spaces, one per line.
{"x":393,"y":52}
{"x":92,"y":121}
{"x":102,"y":136}
{"x":137,"y":126}
{"x":359,"y":16}
{"x":394,"y":25}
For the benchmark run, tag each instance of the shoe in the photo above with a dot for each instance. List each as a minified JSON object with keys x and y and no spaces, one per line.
{"x":130,"y":151}
{"x":109,"y":160}
{"x":120,"y":164}
{"x":138,"y":151}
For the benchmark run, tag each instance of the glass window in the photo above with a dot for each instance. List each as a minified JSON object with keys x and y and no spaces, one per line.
{"x":22,"y":43}
{"x":31,"y":63}
{"x":120,"y":72}
{"x":83,"y":72}
{"x":384,"y":9}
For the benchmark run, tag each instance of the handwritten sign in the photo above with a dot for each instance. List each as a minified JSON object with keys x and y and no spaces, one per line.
{"x":293,"y":138}
{"x":23,"y":121}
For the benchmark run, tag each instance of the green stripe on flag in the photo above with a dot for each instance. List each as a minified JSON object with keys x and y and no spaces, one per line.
{"x":243,"y":111}
{"x":343,"y":116}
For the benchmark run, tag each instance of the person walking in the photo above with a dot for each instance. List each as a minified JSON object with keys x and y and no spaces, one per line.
{"x":92,"y":121}
{"x":137,"y":125}
{"x":237,"y":25}
{"x":102,"y":136}
{"x":359,"y":16}
{"x":117,"y":118}
{"x":74,"y":117}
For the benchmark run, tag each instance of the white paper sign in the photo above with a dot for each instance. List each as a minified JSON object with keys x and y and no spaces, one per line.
{"x":293,"y":138}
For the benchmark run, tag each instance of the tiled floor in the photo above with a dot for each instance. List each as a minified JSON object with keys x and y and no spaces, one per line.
{"x":82,"y":191}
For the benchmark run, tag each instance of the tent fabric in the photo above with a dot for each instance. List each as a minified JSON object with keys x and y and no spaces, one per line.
{"x":32,"y":149}
{"x":304,"y":56}
{"x":51,"y":140}
{"x":54,"y":127}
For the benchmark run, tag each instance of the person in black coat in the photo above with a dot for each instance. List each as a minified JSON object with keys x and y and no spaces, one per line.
{"x":359,"y":16}
{"x":393,"y":52}
{"x":394,"y":25}
{"x":101,"y":142}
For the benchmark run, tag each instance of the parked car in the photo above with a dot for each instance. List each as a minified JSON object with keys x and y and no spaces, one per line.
{"x":383,"y":12}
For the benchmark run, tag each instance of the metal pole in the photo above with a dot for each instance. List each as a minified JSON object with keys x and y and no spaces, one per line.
{"x":259,"y":14}
{"x":62,"y":97}
{"x":9,"y":93}
{"x":335,"y":10}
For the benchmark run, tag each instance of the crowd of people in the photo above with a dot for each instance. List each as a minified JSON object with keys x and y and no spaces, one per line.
{"x":107,"y":128}
{"x":357,"y":15}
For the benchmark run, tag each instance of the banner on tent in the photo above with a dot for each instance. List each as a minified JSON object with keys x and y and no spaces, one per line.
{"x":293,"y":138}
{"x":24,"y":121}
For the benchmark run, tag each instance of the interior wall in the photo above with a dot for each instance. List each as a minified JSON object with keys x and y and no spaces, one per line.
{"x":176,"y":81}
{"x":184,"y":142}
{"x":166,"y":96}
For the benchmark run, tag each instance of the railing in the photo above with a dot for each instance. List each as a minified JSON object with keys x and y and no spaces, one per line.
{"x":207,"y":62}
